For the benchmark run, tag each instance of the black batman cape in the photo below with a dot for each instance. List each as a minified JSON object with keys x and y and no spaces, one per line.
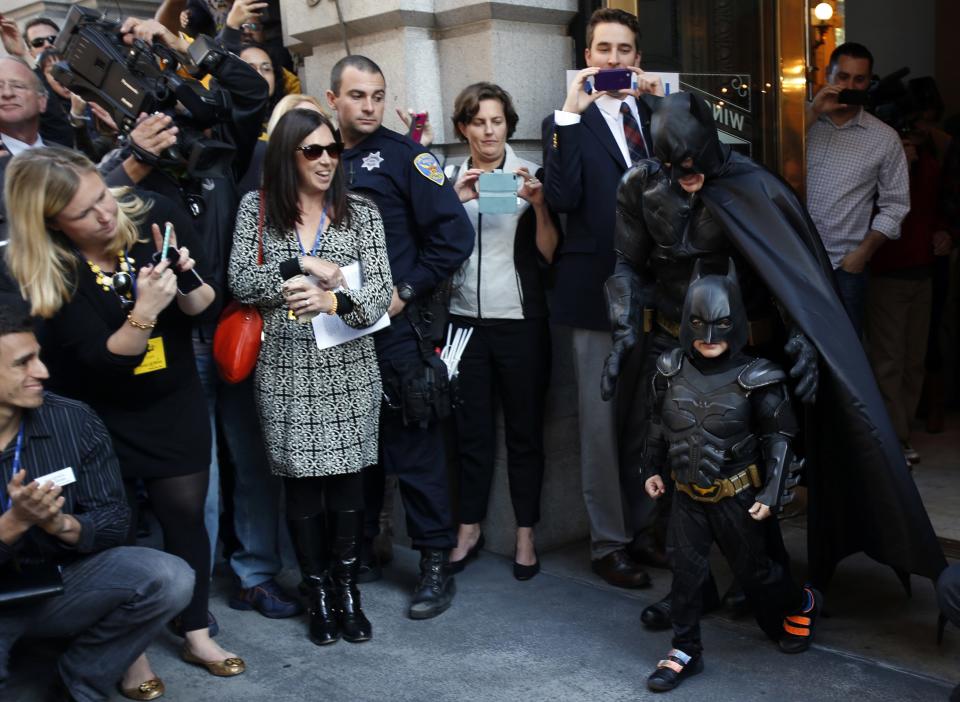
{"x":862,"y":497}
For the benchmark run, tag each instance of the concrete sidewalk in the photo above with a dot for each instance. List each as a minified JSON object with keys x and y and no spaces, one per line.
{"x":565,"y":635}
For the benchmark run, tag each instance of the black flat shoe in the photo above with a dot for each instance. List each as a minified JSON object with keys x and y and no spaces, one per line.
{"x":657,"y":615}
{"x":525,"y":572}
{"x":454,"y":567}
{"x":673,"y":670}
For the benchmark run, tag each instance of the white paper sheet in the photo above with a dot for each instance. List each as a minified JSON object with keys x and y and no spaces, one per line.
{"x":330,"y":330}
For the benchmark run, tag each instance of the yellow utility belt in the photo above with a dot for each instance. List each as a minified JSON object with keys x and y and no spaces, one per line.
{"x":723,"y":488}
{"x":761,"y":330}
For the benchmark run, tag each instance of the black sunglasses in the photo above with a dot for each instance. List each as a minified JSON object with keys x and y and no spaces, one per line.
{"x":37,"y":42}
{"x":312,"y":152}
{"x":122,"y":284}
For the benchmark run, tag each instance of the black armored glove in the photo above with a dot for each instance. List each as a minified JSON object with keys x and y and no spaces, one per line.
{"x":624,"y":305}
{"x":804,"y":371}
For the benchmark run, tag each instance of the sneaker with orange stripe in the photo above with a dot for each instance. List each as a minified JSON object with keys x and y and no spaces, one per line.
{"x":798,"y":626}
{"x":673,"y":669}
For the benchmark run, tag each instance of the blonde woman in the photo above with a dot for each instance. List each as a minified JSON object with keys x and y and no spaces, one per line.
{"x":116,"y":335}
{"x":294,"y":101}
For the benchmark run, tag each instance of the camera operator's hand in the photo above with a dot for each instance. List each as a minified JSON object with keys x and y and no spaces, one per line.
{"x":154,"y":133}
{"x":10,"y":35}
{"x":577,"y":99}
{"x":466,"y":185}
{"x":244,"y":11}
{"x":105,"y":118}
{"x":328,"y":274}
{"x":156,"y":288}
{"x":149,"y":30}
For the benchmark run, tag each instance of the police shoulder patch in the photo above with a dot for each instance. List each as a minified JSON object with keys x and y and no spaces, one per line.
{"x":427,"y":165}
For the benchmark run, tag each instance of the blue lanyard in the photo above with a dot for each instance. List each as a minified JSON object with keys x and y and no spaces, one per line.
{"x":316,"y":242}
{"x":16,"y":464}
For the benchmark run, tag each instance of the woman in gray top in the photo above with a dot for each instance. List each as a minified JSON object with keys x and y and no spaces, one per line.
{"x":499,"y":294}
{"x":319,"y":407}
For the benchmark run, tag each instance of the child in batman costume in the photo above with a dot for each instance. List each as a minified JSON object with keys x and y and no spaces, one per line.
{"x":721,"y":428}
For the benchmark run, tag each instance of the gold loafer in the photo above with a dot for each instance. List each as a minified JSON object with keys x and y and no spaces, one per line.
{"x":147,"y":690}
{"x":226,"y":668}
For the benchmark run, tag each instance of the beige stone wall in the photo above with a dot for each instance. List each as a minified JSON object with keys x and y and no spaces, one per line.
{"x":430,"y":49}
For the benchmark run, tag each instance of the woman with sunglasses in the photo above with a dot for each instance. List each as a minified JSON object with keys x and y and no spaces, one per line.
{"x":319,"y":407}
{"x":117,"y":335}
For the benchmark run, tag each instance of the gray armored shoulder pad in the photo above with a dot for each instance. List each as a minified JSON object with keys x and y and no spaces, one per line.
{"x":759,"y":373}
{"x":669,"y":362}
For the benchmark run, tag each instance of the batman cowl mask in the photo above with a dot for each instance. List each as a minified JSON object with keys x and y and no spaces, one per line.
{"x":683,"y":128}
{"x":713,"y":311}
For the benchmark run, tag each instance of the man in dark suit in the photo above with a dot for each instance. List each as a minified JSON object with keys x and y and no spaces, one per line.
{"x":590,"y":143}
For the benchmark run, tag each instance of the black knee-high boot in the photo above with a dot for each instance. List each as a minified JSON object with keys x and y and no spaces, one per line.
{"x":311,"y":543}
{"x":354,"y":624}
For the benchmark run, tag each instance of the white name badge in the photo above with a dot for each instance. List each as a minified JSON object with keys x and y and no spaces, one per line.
{"x":61,"y":478}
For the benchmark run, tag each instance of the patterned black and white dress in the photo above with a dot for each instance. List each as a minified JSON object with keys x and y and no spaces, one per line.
{"x":320,"y":409}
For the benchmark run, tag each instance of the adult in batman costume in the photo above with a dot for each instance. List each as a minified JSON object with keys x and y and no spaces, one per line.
{"x":721,"y":430}
{"x":861,"y":496}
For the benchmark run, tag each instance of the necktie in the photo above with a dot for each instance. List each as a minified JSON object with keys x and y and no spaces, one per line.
{"x":631,"y":130}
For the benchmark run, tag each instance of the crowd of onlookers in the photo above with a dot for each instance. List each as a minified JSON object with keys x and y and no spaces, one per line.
{"x":364,"y":259}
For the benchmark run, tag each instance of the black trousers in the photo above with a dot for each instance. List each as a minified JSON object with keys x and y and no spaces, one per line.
{"x":417,"y":456}
{"x":694,"y":527}
{"x":509,"y":359}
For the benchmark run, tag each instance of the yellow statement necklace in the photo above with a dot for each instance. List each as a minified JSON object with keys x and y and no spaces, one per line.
{"x":120,"y":282}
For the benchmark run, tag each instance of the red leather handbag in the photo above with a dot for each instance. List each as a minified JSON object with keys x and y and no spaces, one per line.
{"x":236,"y":342}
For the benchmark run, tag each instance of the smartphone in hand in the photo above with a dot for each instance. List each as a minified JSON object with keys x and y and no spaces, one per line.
{"x":853,"y":97}
{"x":613,"y":80}
{"x":417,"y":124}
{"x":186,"y":282}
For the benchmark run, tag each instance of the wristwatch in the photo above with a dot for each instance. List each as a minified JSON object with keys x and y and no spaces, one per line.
{"x":405,"y":292}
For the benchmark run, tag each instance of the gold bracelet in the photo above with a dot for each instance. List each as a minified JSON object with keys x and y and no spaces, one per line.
{"x":333,"y":310}
{"x":140,"y":325}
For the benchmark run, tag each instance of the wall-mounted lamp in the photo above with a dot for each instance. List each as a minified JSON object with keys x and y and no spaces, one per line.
{"x":823,"y":12}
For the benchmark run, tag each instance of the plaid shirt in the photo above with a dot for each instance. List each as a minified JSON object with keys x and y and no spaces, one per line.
{"x":857,"y":180}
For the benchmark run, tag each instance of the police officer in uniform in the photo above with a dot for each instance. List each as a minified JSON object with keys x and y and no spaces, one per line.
{"x":428,"y":238}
